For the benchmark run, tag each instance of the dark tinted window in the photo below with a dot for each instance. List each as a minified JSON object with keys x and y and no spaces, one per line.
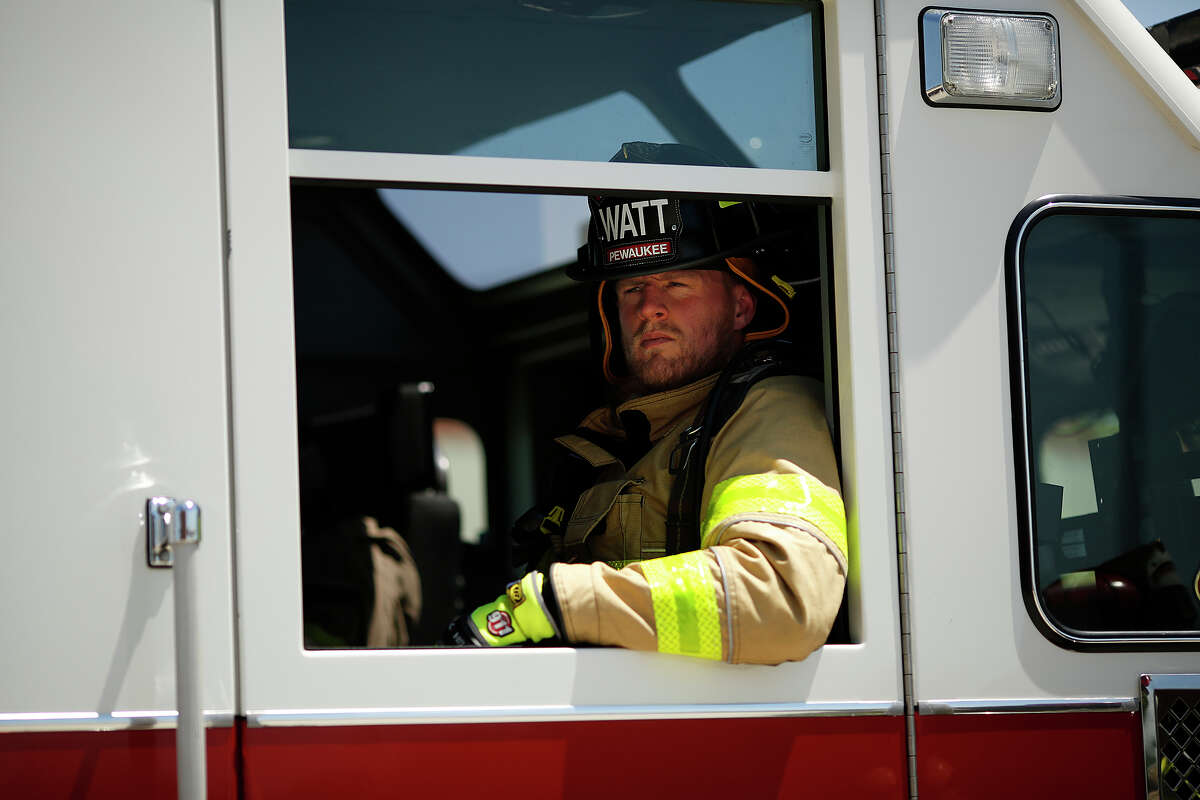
{"x":561,"y":79}
{"x":1109,"y":301}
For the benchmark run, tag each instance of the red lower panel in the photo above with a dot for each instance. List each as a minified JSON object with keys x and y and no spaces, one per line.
{"x":108,"y":764}
{"x":985,"y":756}
{"x":859,"y":757}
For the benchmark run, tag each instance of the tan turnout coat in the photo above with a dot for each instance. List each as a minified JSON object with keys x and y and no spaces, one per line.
{"x":778,"y":577}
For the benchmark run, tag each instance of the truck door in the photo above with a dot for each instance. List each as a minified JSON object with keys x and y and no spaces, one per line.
{"x":112,"y":316}
{"x":531,"y":99}
{"x":1027,"y":334}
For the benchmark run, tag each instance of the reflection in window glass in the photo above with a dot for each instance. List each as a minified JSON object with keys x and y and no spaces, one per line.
{"x":718,"y":82}
{"x":557,"y":79}
{"x":1111,"y":309}
{"x":460,"y":454}
{"x":574,"y":134}
{"x":538,"y":232}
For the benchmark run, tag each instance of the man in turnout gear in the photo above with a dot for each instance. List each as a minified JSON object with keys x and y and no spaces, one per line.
{"x":743,"y":560}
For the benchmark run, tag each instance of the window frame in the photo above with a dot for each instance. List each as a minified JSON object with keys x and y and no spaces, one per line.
{"x":279,"y":683}
{"x":678,"y":686}
{"x":1023,"y":445}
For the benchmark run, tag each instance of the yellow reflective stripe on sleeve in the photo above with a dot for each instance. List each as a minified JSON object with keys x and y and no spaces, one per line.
{"x":791,"y":495}
{"x":685,"y":605}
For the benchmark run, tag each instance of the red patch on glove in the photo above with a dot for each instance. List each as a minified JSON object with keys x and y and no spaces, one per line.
{"x":499,"y":623}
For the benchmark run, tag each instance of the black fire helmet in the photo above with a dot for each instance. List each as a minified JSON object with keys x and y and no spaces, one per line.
{"x":631,"y":236}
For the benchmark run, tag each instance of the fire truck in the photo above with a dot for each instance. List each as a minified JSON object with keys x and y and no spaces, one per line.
{"x":267,"y":265}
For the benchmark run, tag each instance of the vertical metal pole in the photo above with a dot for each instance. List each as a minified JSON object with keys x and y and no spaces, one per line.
{"x":189,"y":730}
{"x":173,"y":531}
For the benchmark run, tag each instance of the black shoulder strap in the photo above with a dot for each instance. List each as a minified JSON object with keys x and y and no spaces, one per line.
{"x":536,"y":538}
{"x":752,"y":364}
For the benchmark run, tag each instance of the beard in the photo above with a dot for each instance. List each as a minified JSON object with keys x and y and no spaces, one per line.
{"x":681,"y":361}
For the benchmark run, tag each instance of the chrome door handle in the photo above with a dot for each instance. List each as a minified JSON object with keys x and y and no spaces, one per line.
{"x":169,"y":523}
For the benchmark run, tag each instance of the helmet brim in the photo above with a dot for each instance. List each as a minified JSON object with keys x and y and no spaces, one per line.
{"x":587,"y":269}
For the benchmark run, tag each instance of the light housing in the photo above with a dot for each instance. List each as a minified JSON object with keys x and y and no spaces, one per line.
{"x":990,"y":58}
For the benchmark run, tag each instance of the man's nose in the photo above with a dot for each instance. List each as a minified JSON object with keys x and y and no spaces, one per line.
{"x":652,"y":303}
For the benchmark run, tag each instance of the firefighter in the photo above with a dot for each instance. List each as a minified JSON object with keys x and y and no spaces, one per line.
{"x":709,"y":520}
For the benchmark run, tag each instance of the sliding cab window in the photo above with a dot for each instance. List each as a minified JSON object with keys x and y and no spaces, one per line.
{"x":439,"y":350}
{"x":439,"y":345}
{"x":1106,"y":310}
{"x":558,"y":79}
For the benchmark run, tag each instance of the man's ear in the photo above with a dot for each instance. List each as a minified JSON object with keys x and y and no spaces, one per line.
{"x":744,"y":305}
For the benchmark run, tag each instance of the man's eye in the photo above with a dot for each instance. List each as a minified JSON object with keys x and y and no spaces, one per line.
{"x":631,"y":289}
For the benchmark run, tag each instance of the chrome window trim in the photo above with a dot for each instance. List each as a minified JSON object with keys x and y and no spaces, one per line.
{"x":1035,"y":211}
{"x":276,"y":718}
{"x":1057,"y":705}
{"x":1149,"y":685}
{"x":33,"y":721}
{"x":934,"y":93}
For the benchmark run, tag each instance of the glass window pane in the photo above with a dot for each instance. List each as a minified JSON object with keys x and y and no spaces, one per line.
{"x":1111,"y":304}
{"x":511,"y":236}
{"x":558,"y":79}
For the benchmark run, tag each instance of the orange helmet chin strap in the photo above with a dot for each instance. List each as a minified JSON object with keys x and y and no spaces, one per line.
{"x":742,"y":267}
{"x":608,"y":340}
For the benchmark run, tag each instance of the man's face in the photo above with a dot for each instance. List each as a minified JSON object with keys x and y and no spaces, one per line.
{"x":679,"y":326}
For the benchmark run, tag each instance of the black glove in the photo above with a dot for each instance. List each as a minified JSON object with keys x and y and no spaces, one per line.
{"x":461,"y":633}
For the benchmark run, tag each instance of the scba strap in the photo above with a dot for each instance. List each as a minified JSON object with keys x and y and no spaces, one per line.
{"x":751,"y":365}
{"x":538,"y":535}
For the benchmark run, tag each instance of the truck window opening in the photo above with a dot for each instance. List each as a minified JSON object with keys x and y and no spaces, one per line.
{"x":1113,"y":418}
{"x":393,"y":344}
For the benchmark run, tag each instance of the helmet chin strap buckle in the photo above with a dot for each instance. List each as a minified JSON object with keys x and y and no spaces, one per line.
{"x":682,"y":454}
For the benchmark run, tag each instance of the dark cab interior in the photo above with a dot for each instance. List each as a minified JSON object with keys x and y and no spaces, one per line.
{"x":388,"y":340}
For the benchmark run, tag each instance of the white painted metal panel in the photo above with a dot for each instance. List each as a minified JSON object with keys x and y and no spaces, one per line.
{"x":960,"y":176}
{"x":279,"y":676}
{"x":112,"y":318}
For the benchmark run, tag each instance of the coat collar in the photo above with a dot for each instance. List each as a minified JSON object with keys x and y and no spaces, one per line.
{"x":664,"y":411}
